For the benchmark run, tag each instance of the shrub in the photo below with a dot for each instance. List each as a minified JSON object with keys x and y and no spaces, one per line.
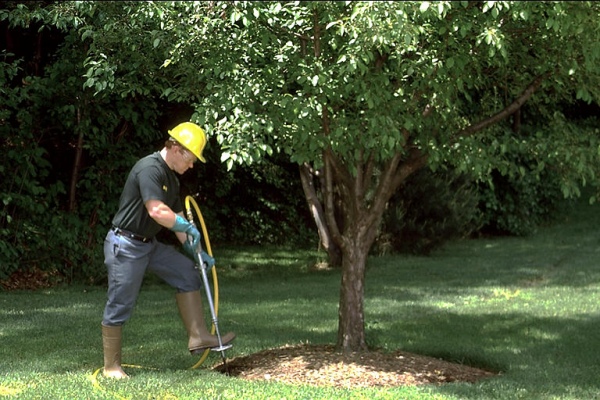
{"x":431,"y":208}
{"x":518,"y":205}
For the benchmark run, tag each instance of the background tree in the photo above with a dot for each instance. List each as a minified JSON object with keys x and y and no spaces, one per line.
{"x":61,"y":142}
{"x":71,"y":126}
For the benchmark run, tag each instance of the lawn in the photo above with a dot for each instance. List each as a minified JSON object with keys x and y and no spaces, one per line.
{"x":527,"y":307}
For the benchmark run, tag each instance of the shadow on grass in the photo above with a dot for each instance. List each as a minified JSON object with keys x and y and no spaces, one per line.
{"x":551,"y":356}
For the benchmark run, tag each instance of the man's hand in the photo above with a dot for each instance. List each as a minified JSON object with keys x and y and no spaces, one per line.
{"x":181,"y":225}
{"x":208,"y":261}
{"x":193,"y":255}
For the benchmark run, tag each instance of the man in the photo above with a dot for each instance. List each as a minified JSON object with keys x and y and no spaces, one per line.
{"x":150,"y":201}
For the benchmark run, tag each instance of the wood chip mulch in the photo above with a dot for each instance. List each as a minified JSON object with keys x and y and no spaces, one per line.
{"x":30,"y":279}
{"x":323,"y":366}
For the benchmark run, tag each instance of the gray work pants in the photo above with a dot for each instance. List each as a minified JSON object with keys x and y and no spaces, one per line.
{"x":126,"y":262}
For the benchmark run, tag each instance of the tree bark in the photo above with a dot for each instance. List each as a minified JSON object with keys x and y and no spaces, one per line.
{"x":351,"y":316}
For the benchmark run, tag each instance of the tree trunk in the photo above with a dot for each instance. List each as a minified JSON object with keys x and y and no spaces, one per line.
{"x":333,"y":251}
{"x":362,"y":219}
{"x":76,"y":165}
{"x":351,"y":316}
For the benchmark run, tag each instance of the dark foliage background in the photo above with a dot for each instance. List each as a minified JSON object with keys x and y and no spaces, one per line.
{"x":66,"y":154}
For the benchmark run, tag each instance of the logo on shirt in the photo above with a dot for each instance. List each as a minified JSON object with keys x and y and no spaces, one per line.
{"x":165,"y":188}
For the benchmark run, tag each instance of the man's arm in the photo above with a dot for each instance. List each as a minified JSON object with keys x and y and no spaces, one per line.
{"x":164,"y":216}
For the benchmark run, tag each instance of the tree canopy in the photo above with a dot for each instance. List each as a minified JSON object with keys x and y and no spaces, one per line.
{"x":359,"y":94}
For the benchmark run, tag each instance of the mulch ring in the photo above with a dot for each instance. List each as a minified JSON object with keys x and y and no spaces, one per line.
{"x":321,"y":365}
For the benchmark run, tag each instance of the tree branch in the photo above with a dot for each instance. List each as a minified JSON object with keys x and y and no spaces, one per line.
{"x":385,"y":181}
{"x":507,"y":111}
{"x":368,"y":175}
{"x":329,"y":201}
{"x":340,"y":170}
{"x":415,"y":161}
{"x":359,"y":188}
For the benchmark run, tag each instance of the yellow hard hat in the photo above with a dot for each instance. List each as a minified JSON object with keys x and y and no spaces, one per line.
{"x":191,"y":136}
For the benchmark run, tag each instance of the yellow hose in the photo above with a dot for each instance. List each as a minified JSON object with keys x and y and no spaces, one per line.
{"x":190,"y":200}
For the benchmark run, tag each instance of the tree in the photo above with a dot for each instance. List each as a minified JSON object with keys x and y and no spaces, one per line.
{"x":60,"y":141}
{"x":363,"y":94}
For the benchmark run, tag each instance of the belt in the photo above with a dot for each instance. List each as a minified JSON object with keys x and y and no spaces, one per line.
{"x":130,"y":235}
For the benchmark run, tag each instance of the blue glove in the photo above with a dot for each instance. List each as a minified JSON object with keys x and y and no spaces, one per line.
{"x":191,"y":253}
{"x":181,"y":225}
{"x":208,"y":260}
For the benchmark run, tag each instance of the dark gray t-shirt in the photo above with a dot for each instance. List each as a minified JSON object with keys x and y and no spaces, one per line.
{"x":149,"y":179}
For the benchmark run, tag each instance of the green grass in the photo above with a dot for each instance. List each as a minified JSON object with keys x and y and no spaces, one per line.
{"x":528,"y":307}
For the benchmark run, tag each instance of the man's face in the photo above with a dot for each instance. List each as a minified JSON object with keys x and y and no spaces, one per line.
{"x":184,"y":160}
